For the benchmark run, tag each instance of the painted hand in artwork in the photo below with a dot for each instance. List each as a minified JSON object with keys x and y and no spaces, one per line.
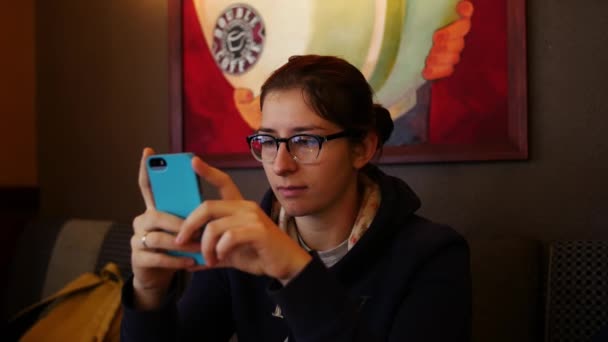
{"x":249,"y":106}
{"x":448,"y":43}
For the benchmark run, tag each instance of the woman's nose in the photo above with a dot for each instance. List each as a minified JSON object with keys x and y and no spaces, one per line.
{"x":284,"y":161}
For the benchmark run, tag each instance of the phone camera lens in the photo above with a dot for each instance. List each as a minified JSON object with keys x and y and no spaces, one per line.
{"x":158,"y":162}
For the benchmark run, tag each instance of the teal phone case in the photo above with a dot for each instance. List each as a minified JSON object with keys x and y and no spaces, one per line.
{"x":175,"y":189}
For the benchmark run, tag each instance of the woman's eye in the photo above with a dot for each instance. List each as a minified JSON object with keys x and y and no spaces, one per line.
{"x":304,"y":141}
{"x":301,"y":141}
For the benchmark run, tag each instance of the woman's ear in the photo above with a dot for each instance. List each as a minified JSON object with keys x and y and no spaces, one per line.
{"x":365,"y":150}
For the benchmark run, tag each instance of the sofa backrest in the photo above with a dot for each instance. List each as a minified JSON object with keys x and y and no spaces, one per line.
{"x":51,"y":253}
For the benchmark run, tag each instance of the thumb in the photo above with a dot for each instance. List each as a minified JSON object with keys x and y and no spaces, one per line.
{"x":220,"y":180}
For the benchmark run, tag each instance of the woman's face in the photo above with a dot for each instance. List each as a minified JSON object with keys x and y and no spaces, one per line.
{"x":313,"y":188}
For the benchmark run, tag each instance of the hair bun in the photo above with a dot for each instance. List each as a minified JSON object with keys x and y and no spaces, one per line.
{"x":384,"y":123}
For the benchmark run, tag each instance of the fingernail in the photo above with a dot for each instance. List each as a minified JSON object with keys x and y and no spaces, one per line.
{"x":179,"y":240}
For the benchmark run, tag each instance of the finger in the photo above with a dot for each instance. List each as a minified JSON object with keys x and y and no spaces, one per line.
{"x":150,"y":259}
{"x":154,"y":220}
{"x":234,"y":239}
{"x":197,"y":268}
{"x":224,"y":184}
{"x":212,"y":210}
{"x":159,"y":240}
{"x":211,"y":235}
{"x":465,"y":9}
{"x":215,"y":230}
{"x":455,"y":30}
{"x":144,"y":182}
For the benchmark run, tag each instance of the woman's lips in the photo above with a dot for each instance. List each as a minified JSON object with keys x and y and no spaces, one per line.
{"x":291,"y":191}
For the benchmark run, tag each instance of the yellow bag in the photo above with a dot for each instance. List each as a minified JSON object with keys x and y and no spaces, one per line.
{"x":87,"y":309}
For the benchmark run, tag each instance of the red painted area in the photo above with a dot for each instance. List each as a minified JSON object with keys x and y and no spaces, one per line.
{"x":212,"y":123}
{"x":471,"y":105}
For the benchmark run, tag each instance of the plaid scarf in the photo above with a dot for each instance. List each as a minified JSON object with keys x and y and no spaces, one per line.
{"x":367,"y":211}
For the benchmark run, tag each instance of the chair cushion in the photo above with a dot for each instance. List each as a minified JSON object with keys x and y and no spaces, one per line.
{"x":577,"y":290}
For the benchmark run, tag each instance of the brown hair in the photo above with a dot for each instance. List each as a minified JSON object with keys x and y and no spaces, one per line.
{"x":336,"y":90}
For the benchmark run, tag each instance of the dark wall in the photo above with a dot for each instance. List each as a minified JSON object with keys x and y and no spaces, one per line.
{"x":102,"y":96}
{"x":17,"y":83}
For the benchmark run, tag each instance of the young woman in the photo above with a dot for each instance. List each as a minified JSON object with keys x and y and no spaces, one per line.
{"x":334,"y":252}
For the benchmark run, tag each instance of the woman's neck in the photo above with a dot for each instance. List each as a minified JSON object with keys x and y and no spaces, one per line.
{"x":326,"y":230}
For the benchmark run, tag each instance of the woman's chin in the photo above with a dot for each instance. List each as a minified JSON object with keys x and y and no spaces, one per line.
{"x":295,"y":209}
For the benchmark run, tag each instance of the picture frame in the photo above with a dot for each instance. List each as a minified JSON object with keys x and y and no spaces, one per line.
{"x":512,"y":146}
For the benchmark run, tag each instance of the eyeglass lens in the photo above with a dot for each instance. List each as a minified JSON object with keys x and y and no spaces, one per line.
{"x":301,"y":147}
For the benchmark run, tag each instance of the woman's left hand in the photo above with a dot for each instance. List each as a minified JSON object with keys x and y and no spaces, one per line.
{"x":239,"y":234}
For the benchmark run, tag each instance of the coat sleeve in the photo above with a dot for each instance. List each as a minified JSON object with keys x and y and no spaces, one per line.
{"x":203,"y":312}
{"x":437,"y":306}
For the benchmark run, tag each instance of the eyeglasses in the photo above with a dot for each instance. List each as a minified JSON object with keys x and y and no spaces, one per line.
{"x":304,"y":148}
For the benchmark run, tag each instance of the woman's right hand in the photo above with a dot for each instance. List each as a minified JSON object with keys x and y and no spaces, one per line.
{"x":153,"y":233}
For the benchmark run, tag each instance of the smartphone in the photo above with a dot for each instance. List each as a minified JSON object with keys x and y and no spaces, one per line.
{"x":175,"y":188}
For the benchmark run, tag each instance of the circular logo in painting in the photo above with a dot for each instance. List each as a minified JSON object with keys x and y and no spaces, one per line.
{"x":238,"y":39}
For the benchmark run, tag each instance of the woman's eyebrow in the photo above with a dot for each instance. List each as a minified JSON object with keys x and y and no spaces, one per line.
{"x":295,"y":129}
{"x":266,"y":130}
{"x":308,"y":128}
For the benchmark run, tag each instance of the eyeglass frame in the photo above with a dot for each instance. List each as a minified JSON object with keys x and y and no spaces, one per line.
{"x":320,"y":139}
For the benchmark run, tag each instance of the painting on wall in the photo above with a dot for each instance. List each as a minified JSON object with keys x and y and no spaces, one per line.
{"x":451,"y":72}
